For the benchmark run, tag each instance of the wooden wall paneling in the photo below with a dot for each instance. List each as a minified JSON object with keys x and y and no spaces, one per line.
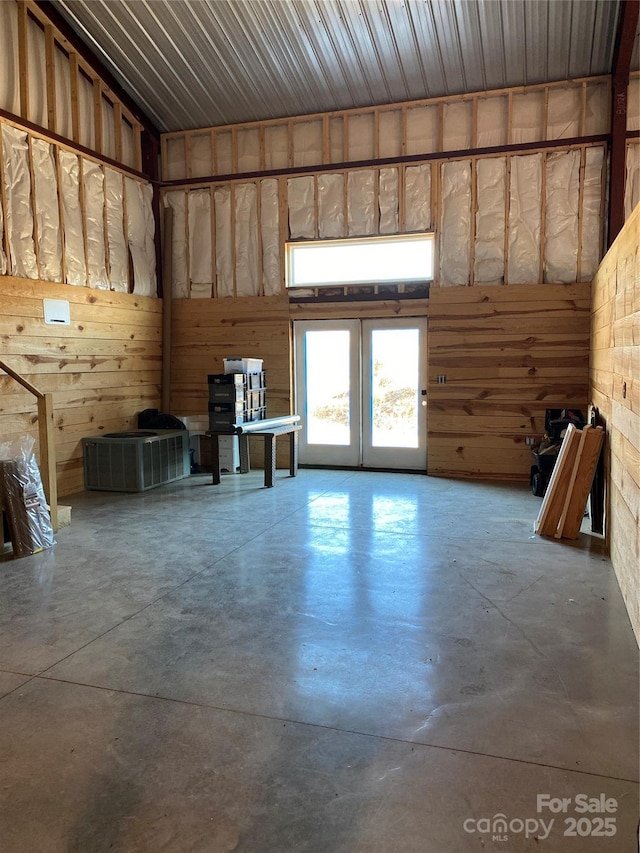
{"x":101,"y":370}
{"x":614,"y":371}
{"x":508,"y":354}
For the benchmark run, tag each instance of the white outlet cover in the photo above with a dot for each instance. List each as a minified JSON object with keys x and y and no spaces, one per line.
{"x":56,"y":312}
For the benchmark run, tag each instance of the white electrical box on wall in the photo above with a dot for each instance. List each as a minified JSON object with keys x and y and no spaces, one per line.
{"x":56,"y":312}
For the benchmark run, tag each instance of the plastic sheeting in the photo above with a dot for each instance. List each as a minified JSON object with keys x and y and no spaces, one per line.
{"x":330,"y":206}
{"x":633,"y":104}
{"x":248,"y":142}
{"x":47,"y":213}
{"x":390,"y":133}
{"x":564,"y":113}
{"x":270,"y":232}
{"x":597,"y":111}
{"x":144,"y":278}
{"x":224,"y":253}
{"x":361,"y":213}
{"x":108,"y":130}
{"x":200,"y":241}
{"x":632,"y":185}
{"x":422,"y":130}
{"x":18,"y":215}
{"x":336,"y":139}
{"x":246,"y":236}
{"x":224,"y":154}
{"x":561,"y":223}
{"x":490,"y":224}
{"x":388,"y":201}
{"x":300,"y":192}
{"x":457,"y":118}
{"x":417,"y":198}
{"x":591,"y":219}
{"x":527,"y":116}
{"x":361,"y":136}
{"x":28,"y":517}
{"x":128,"y":145}
{"x":94,"y":221}
{"x":86,"y":112}
{"x":9,"y":74}
{"x":200,"y":155}
{"x":175,"y":162}
{"x":492,"y":121}
{"x":524,"y":219}
{"x":118,"y":254}
{"x":37,"y":77}
{"x":456,"y":223}
{"x":76,"y":267}
{"x":276,"y":146}
{"x":307,"y":143}
{"x":150,"y":237}
{"x":63,"y":94}
{"x":176,"y":200}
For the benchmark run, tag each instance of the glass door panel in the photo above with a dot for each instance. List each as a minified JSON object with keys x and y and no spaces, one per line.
{"x":328,"y":391}
{"x":394,"y":377}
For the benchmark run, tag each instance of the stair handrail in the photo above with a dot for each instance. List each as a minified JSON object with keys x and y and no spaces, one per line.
{"x":47,"y":442}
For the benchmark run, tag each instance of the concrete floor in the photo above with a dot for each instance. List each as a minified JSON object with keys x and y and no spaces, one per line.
{"x":347,"y":662}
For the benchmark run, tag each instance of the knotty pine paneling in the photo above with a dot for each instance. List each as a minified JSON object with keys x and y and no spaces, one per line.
{"x":508,"y":354}
{"x":205,"y":331}
{"x":615,"y":389}
{"x":102,"y":369}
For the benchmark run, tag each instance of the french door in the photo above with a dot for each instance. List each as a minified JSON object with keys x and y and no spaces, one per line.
{"x":360,"y":390}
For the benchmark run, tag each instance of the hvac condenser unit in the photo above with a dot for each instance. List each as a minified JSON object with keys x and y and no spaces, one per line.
{"x":135,"y":461}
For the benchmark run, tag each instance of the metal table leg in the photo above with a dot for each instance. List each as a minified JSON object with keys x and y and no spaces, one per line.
{"x":215,"y":460}
{"x":293,"y":452}
{"x":269,"y":460}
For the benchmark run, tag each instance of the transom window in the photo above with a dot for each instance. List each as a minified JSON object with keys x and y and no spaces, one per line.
{"x":361,"y":261}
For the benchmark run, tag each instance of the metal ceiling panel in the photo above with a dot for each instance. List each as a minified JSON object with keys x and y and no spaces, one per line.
{"x":198,"y":63}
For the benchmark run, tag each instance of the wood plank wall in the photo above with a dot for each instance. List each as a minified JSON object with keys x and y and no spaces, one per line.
{"x":102,"y":369}
{"x":508,"y":353}
{"x":615,"y":390}
{"x":204,"y":331}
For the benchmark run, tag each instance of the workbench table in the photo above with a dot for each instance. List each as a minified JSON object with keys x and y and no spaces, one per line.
{"x":268,"y":430}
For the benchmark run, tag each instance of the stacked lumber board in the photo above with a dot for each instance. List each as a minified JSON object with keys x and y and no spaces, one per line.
{"x":564,"y":503}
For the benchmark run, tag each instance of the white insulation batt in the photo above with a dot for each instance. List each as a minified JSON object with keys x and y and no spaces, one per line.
{"x":361,"y":214}
{"x":150,"y":236}
{"x":70,"y":187}
{"x":224,"y":252}
{"x":139,"y":221}
{"x":591,"y":225}
{"x":524,"y":219}
{"x":200,"y":244}
{"x":47,"y":213}
{"x":9,"y":69}
{"x":270,"y":231}
{"x":94,"y":219}
{"x":417,"y":198}
{"x":490,"y":224}
{"x":300,"y":192}
{"x":246,"y":237}
{"x":118,"y":253}
{"x":248,"y":142}
{"x":176,"y":200}
{"x":388,"y":201}
{"x":456,"y":223}
{"x":561,"y":226}
{"x":18,"y":215}
{"x":330,"y":206}
{"x":276,"y":144}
